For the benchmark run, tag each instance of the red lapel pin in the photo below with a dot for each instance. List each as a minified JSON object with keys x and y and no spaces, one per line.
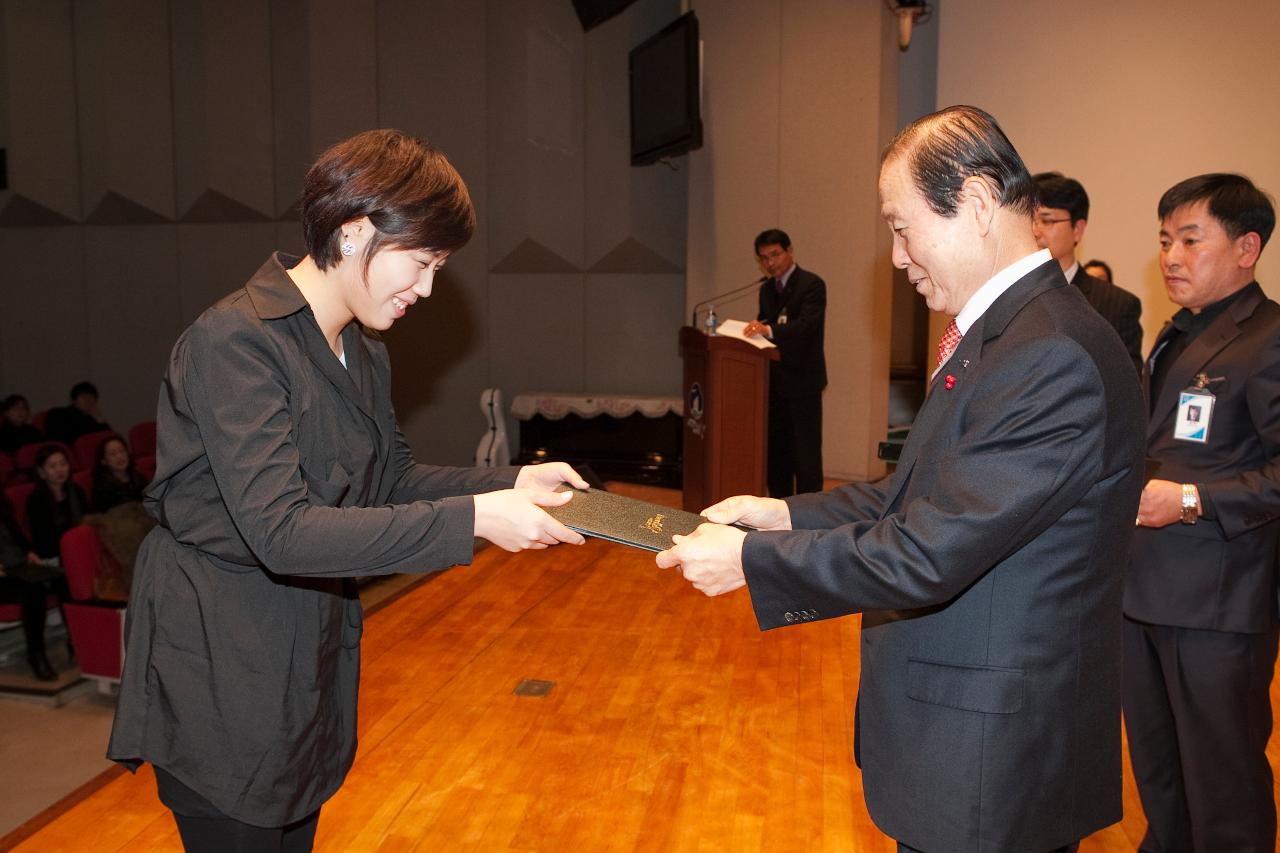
{"x":949,"y":382}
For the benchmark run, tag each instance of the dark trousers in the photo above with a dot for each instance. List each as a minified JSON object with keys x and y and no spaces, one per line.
{"x":795,"y":445}
{"x":33,"y":598}
{"x":1198,"y":715}
{"x":204,"y":829}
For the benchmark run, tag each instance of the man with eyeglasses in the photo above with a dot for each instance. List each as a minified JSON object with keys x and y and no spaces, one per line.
{"x":793,"y":314}
{"x":1059,"y":226}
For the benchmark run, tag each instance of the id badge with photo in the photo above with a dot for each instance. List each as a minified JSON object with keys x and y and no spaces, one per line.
{"x":1195,"y":412}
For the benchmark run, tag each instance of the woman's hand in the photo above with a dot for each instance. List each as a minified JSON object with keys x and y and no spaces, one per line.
{"x":513,"y":519}
{"x":547,"y":476}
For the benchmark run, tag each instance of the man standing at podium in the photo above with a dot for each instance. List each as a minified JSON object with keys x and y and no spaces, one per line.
{"x":988,"y":568}
{"x":793,"y":310}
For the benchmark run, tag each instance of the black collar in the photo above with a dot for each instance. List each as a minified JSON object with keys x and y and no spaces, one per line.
{"x":272,"y":292}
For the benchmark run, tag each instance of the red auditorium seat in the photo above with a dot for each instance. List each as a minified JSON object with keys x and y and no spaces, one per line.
{"x":84,"y":479}
{"x":25,"y":458}
{"x":146,"y":466}
{"x":17,"y":495}
{"x":97,"y":627}
{"x":142,"y":438}
{"x":86,"y":448}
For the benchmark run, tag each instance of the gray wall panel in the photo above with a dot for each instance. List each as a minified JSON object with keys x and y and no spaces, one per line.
{"x":631,"y":328}
{"x":40,"y":90}
{"x":222,"y":96}
{"x":214,"y":260}
{"x":798,"y":100}
{"x":439,"y":351}
{"x":439,"y":358}
{"x":212,"y":112}
{"x":288,"y":238}
{"x":290,"y":99}
{"x":132,"y":315}
{"x":536,"y":333}
{"x":554,"y":132}
{"x":507,"y":187}
{"x":646,"y":204}
{"x":535,"y":104}
{"x":44,"y":347}
{"x":343,"y":93}
{"x":125,"y":103}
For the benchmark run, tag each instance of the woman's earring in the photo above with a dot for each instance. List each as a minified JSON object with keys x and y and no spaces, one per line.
{"x":348,"y":249}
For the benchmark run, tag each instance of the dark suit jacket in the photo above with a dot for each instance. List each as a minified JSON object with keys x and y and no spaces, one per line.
{"x":988,"y":568}
{"x":1221,"y":572}
{"x":1118,"y":307}
{"x":48,"y":520}
{"x":797,"y":317}
{"x":280,"y":476}
{"x":67,"y":423}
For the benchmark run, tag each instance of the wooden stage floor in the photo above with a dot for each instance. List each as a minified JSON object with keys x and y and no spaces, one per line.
{"x":673,"y":724}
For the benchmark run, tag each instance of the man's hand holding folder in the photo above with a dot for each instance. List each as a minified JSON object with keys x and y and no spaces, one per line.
{"x":711,"y":557}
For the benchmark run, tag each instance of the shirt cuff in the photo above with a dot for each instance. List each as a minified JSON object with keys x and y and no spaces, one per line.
{"x":1207,"y":509}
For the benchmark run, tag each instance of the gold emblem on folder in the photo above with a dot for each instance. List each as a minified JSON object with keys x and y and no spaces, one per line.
{"x":654,"y":524}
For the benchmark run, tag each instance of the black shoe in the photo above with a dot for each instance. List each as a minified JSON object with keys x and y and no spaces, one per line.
{"x":41,"y":668}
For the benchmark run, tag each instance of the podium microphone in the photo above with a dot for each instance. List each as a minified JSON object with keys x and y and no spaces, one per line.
{"x":727,"y":294}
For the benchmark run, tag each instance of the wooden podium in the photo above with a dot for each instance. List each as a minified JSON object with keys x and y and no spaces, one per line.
{"x":726,"y":417}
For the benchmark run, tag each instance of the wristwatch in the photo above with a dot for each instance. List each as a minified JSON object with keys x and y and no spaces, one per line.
{"x":1190,"y":504}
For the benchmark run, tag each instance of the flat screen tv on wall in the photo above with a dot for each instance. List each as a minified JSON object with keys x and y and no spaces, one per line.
{"x":666,"y":93}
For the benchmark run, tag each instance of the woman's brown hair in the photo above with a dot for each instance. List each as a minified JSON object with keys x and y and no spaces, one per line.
{"x":412,"y":195}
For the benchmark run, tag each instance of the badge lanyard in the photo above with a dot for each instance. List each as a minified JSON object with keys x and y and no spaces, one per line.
{"x":1195,"y":410}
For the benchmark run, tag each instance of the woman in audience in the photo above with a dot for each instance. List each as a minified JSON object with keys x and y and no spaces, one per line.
{"x":55,"y":505}
{"x":17,"y":586}
{"x":115,"y":479}
{"x":16,"y":428}
{"x":281,"y":476}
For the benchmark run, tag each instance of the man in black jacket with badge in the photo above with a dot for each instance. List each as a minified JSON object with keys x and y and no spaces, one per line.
{"x":793,"y":309}
{"x":1200,"y":628}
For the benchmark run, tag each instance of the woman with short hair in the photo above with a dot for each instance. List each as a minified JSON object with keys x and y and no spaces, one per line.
{"x":282,"y":475}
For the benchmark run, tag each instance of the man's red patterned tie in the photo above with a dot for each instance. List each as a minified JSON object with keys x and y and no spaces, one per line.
{"x":950,"y":340}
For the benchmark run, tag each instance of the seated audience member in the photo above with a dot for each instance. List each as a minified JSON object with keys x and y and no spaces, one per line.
{"x":67,"y":423}
{"x":16,"y":555}
{"x":55,"y":505}
{"x":1099,"y":269}
{"x":16,"y":428}
{"x":115,"y":479}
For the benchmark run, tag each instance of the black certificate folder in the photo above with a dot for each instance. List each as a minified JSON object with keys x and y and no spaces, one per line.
{"x":639,"y":524}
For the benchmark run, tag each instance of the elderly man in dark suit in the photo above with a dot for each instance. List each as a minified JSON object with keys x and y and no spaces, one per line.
{"x":1200,"y":631}
{"x":988,"y":567}
{"x":793,"y":314}
{"x":1059,"y":227}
